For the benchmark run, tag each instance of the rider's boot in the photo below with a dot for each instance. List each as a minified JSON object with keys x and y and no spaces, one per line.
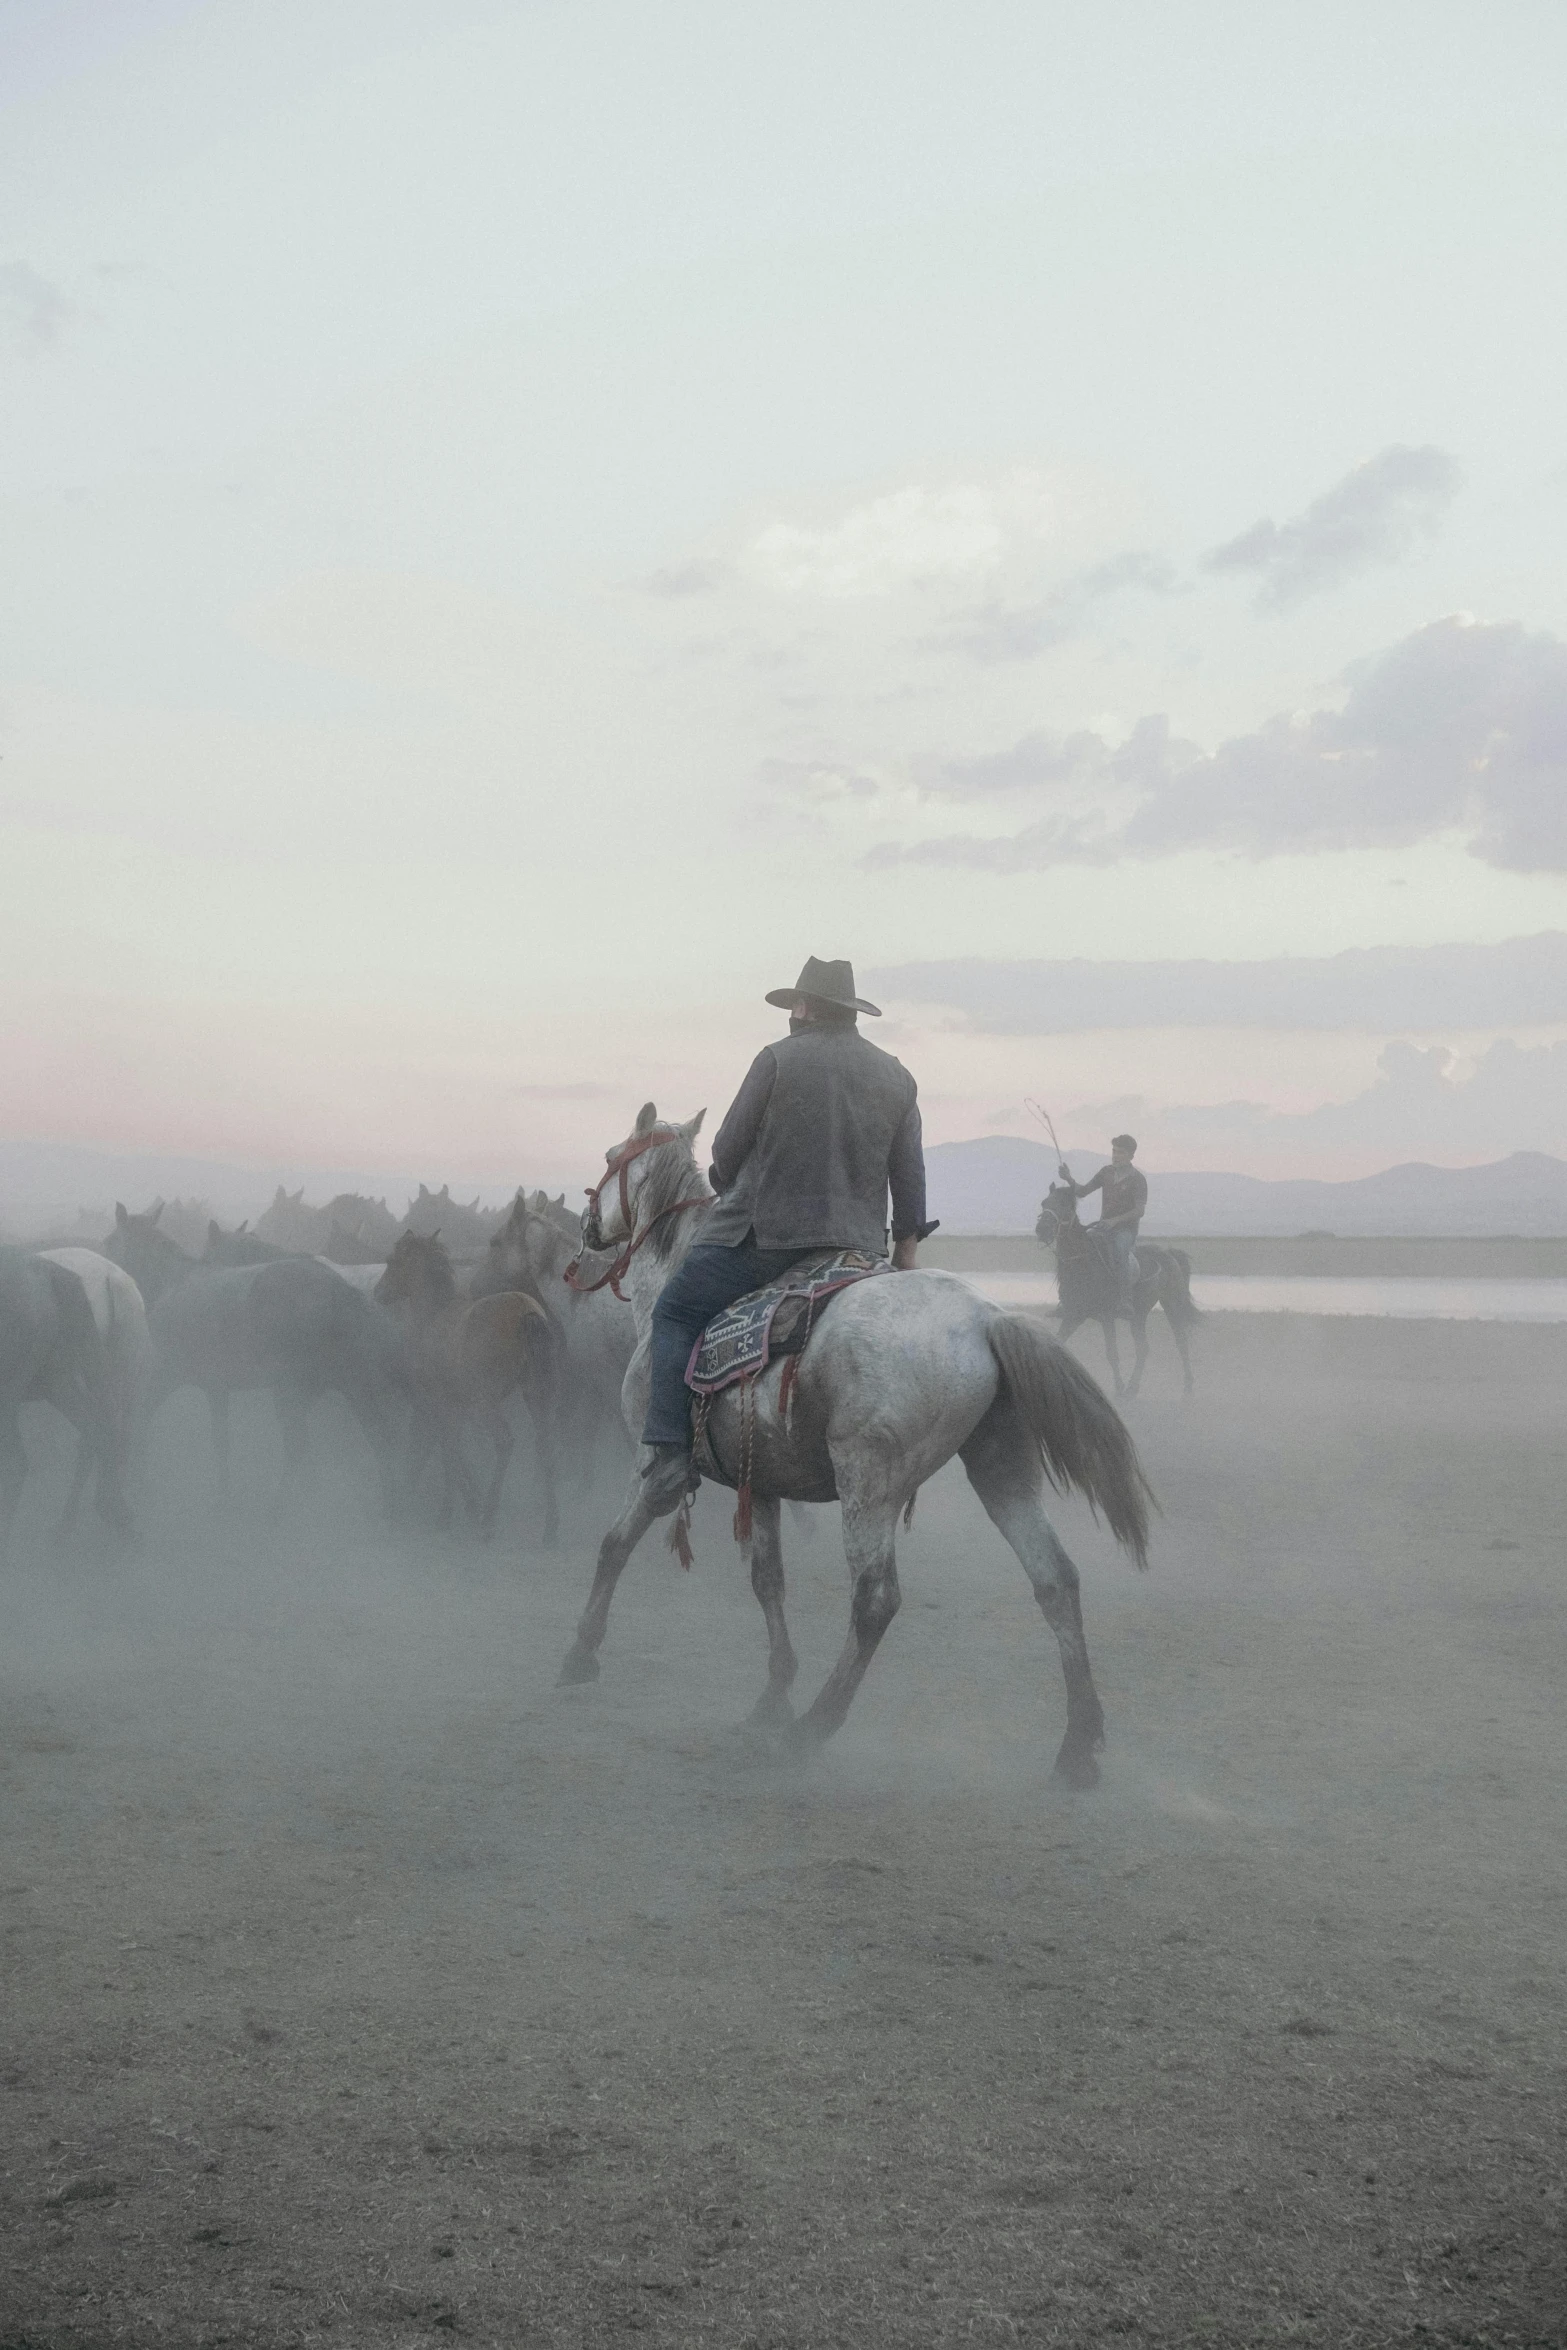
{"x":668,"y":1474}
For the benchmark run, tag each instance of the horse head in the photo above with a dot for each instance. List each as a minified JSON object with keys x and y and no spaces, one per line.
{"x":137,"y":1245}
{"x":418,"y":1274}
{"x":644,"y":1176}
{"x":1057,"y":1215}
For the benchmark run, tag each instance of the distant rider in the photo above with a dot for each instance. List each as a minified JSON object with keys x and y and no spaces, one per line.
{"x":824,"y":1124}
{"x":1123,"y":1193}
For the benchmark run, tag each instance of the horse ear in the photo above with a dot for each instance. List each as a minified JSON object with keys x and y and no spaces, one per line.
{"x":239,"y":1228}
{"x":213,"y":1234}
{"x":155,"y":1211}
{"x":692,"y":1127}
{"x":120,"y":1216}
{"x":561,"y":1202}
{"x":647,"y":1117}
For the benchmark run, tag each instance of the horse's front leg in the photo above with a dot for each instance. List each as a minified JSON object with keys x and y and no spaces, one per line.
{"x":767,"y":1581}
{"x":1113,"y":1354}
{"x":582,"y":1662}
{"x":868,"y":1528}
{"x":490,"y":1412}
{"x":13,"y":1470}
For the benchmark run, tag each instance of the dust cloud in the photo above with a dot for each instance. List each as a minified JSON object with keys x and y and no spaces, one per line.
{"x":363,"y":1987}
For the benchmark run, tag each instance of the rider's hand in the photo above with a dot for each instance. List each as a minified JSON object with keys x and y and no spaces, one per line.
{"x":904,"y":1253}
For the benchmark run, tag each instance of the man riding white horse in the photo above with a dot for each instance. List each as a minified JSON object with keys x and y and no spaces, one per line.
{"x":823,"y":1127}
{"x":1123,"y":1191}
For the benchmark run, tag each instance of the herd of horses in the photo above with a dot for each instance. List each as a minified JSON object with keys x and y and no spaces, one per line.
{"x":428,"y":1343}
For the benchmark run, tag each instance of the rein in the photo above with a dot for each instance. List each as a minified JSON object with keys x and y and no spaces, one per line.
{"x":635,"y":1240}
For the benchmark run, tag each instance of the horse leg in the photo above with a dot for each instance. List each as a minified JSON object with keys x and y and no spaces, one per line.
{"x":293,"y":1409}
{"x":1113,"y":1354}
{"x":1140,"y":1347}
{"x":84,"y":1461}
{"x":1179,"y":1329}
{"x":582,"y":1662}
{"x":541,"y":1411}
{"x":491,"y":1412}
{"x":767,"y":1581}
{"x":218,"y":1406}
{"x":868,"y":1528}
{"x":1003,"y":1467}
{"x":87,"y":1414}
{"x":13,"y":1471}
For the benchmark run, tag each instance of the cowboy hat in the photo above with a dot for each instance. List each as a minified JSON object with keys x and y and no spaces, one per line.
{"x":824,"y":983}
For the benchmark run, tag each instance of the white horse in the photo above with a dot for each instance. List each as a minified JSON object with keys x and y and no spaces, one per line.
{"x":121,"y":1316}
{"x":905,"y":1370}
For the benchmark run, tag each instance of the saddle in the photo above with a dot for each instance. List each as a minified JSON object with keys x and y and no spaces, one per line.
{"x":740,"y":1342}
{"x":736,"y":1348}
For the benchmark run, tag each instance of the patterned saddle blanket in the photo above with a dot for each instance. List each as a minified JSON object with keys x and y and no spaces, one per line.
{"x":740,"y":1342}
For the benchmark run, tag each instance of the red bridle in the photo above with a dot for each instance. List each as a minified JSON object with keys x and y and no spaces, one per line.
{"x":617,"y":1166}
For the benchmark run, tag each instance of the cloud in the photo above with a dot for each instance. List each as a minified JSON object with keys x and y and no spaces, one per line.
{"x":698,"y":577}
{"x":1418,"y":1107}
{"x":31,"y":308}
{"x":1460,"y":727}
{"x":1378,"y":513}
{"x":1017,"y":632}
{"x":1521,"y":982}
{"x":913,"y":537}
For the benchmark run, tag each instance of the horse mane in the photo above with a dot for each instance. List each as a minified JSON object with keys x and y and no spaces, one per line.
{"x":671,"y":1172}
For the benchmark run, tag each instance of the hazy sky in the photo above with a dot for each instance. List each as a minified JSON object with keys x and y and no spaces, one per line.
{"x":521,"y":522}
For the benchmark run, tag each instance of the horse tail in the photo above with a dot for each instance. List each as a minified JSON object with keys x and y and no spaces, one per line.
{"x":1082,"y":1439}
{"x":1178,"y":1305}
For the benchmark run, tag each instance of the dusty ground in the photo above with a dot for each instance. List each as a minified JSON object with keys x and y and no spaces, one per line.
{"x":360,"y":1987}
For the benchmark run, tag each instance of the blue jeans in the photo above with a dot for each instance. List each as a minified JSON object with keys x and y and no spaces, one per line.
{"x":1121,"y":1243}
{"x":711,"y":1278}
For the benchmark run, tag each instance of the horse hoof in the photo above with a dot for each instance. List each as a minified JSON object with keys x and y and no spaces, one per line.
{"x":581,"y":1665}
{"x":1076,"y":1769}
{"x":772,"y":1710}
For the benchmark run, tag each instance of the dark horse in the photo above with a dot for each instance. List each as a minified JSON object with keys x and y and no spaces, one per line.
{"x":51,"y":1352}
{"x":464,"y":1357}
{"x":1085,"y":1279}
{"x":268,"y":1320}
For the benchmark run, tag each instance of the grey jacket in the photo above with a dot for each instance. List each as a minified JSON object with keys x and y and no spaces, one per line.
{"x":822,"y":1125}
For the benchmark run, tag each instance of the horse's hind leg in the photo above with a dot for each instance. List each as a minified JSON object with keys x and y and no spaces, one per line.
{"x":1003,"y":1467}
{"x":1140,"y":1347}
{"x":1179,"y":1328}
{"x":868,"y":1529}
{"x":767,"y":1581}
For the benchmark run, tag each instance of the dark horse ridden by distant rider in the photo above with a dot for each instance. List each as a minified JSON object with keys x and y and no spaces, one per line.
{"x":1101,"y":1275}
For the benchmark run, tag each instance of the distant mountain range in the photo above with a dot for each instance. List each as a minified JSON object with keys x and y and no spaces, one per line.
{"x":997,"y":1183}
{"x":994,"y":1184}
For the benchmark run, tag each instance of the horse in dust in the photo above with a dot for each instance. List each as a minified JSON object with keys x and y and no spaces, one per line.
{"x":464,"y":1358}
{"x":120,"y":1313}
{"x":531,"y":1251}
{"x":51,"y":1352}
{"x":282,"y":1322}
{"x":1086,"y":1285}
{"x":903,"y":1371}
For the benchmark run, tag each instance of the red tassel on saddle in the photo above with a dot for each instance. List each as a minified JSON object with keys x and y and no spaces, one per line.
{"x":679,"y":1536}
{"x":743,"y":1514}
{"x":786,"y":1387}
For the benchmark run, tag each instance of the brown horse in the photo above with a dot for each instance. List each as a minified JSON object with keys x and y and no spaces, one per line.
{"x":465,"y":1357}
{"x":531,"y":1251}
